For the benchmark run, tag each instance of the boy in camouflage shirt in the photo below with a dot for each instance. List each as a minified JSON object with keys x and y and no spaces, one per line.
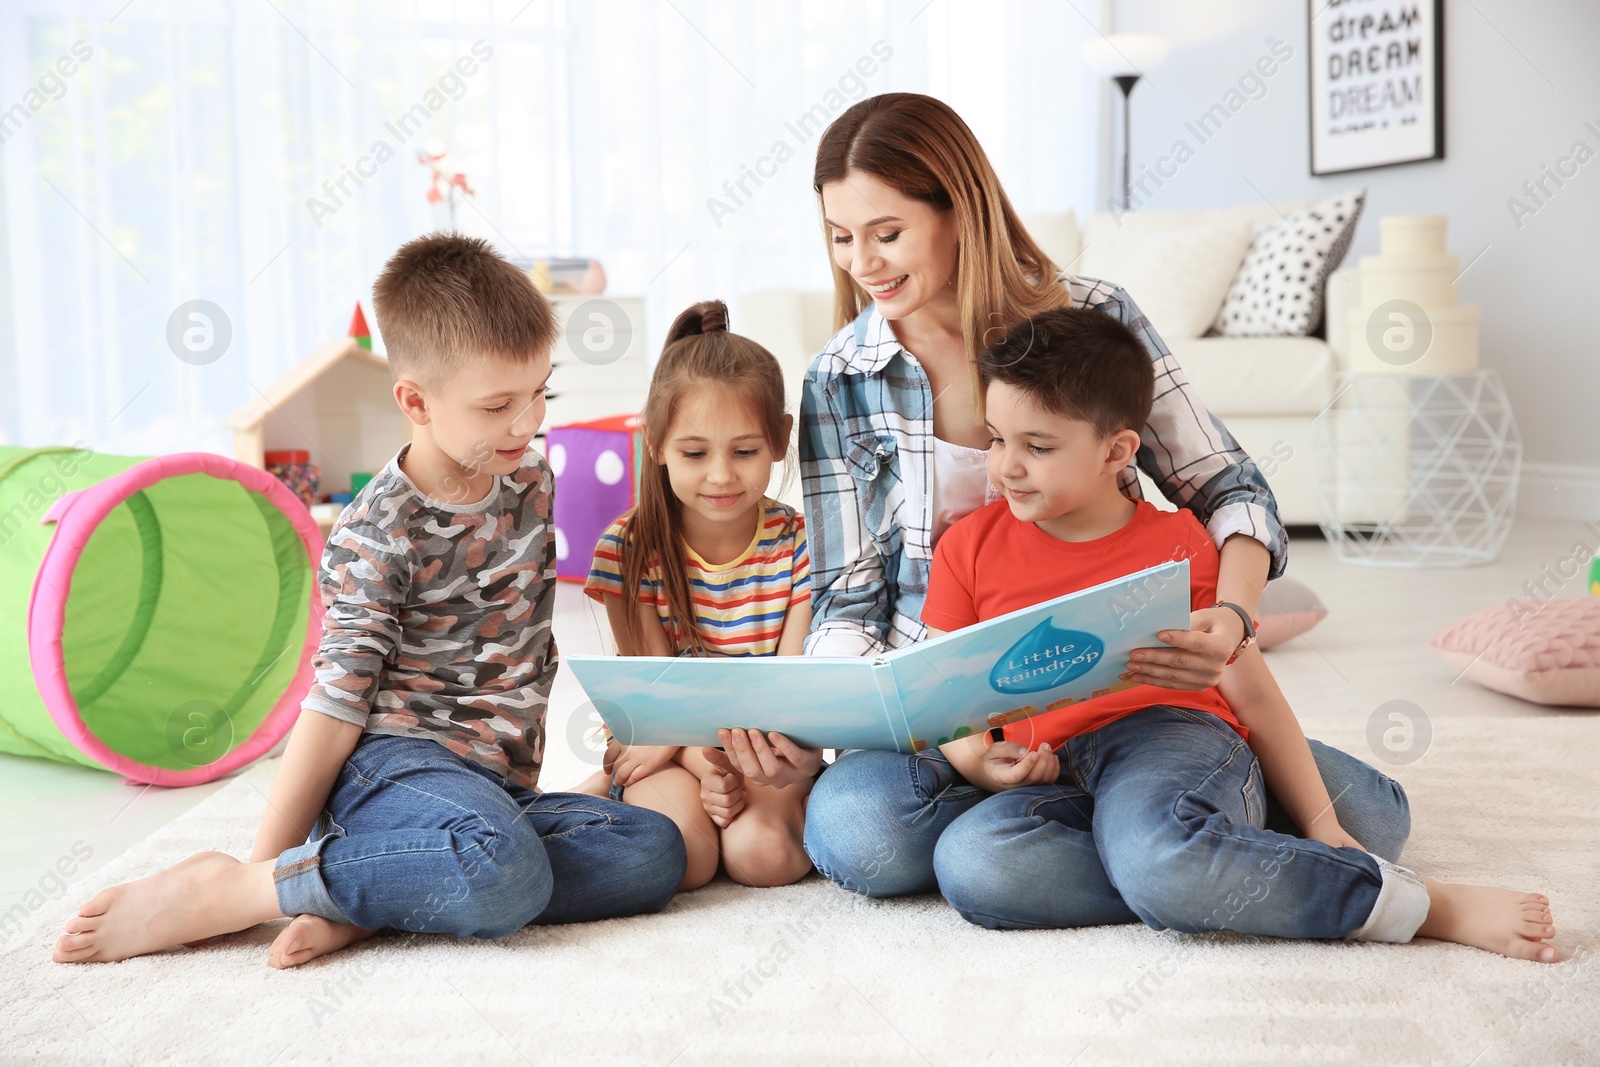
{"x":420,"y":743}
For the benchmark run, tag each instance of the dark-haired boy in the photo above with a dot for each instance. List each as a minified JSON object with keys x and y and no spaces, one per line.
{"x":1146,"y":804}
{"x":418,"y":749}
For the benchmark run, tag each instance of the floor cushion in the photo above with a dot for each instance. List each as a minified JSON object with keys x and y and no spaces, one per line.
{"x":1288,"y":609}
{"x":1547,"y":652}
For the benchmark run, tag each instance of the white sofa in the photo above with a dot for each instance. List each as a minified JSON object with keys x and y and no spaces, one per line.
{"x":1267,"y":390}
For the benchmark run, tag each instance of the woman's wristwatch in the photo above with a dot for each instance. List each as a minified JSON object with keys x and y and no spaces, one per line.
{"x":1249,"y":627}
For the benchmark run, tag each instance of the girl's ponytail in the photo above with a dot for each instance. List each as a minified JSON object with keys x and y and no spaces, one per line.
{"x":708,"y":316}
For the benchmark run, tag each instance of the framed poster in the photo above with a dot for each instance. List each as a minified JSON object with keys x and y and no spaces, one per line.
{"x":1377,"y":83}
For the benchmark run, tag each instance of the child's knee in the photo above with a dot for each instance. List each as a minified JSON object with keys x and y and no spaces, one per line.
{"x":658,"y":859}
{"x":702,"y":851}
{"x":668,"y":830}
{"x":765,"y":864}
{"x":503,"y":882}
{"x":1383,"y":824}
{"x":1174,"y":884}
{"x":1371,"y":806}
{"x":968,"y":878}
{"x":699,"y":868}
{"x":762,"y":850}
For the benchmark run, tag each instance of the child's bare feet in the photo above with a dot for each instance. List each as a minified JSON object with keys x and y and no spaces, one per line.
{"x":309,"y":936}
{"x":1513,"y":924}
{"x":209,"y":893}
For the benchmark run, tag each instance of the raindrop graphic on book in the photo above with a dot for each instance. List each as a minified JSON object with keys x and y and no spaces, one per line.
{"x":1047,"y":657}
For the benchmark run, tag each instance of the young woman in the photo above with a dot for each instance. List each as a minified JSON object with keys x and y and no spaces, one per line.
{"x":928,"y":258}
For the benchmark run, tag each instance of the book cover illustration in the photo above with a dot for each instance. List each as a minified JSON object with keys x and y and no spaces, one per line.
{"x":1037,"y":659}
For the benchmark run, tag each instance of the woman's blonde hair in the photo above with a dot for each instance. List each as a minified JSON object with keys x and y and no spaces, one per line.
{"x":699,"y":352}
{"x":919,"y":147}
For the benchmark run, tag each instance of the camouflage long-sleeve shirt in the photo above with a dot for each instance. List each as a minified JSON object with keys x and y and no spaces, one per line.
{"x":438,"y":618}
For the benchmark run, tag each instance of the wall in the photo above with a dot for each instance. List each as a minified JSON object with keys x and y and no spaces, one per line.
{"x":1521,"y":82}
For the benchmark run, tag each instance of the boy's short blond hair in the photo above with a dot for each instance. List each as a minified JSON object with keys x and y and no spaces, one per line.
{"x":445,"y":299}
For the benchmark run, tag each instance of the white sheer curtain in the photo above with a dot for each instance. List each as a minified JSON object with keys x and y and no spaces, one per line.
{"x":230,"y":151}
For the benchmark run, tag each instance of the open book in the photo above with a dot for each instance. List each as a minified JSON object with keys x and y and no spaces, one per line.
{"x":1038,"y":659}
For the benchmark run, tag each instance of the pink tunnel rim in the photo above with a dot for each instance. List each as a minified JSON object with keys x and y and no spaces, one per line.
{"x":77,"y":516}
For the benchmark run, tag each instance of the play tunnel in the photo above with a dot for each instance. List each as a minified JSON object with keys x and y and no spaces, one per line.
{"x":157,"y":616}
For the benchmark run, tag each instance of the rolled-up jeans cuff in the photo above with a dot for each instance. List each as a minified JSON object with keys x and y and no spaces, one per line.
{"x":1400,"y":909}
{"x":297,"y":879}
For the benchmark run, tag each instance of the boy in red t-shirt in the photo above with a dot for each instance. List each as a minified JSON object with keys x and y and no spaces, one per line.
{"x":1160,"y":779}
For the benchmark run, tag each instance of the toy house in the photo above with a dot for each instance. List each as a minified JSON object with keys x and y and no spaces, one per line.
{"x":337,"y":405}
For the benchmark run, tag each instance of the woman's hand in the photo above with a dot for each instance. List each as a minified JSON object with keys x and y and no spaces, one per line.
{"x":769,"y":760}
{"x":631,"y":764}
{"x":722,"y":788}
{"x":1195,"y":657}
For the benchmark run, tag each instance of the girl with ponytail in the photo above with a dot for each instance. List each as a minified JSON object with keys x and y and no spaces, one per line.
{"x":707,"y":565}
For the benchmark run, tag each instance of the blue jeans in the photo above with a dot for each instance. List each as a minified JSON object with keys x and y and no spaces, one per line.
{"x":874,"y":818}
{"x":1171,"y":800}
{"x":416,"y":838}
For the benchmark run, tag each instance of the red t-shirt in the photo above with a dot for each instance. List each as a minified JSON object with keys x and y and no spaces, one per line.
{"x":991,"y":563}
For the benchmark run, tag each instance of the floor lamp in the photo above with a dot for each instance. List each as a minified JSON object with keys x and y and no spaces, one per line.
{"x":1125,"y":58}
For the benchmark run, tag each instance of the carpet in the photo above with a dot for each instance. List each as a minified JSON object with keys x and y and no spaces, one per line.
{"x":809,"y":974}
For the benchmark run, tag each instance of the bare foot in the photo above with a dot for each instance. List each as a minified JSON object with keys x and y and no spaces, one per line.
{"x":309,"y":936}
{"x":209,"y":893}
{"x":1513,"y":924}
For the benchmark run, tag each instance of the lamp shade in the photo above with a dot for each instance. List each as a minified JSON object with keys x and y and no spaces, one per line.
{"x":1117,"y":54}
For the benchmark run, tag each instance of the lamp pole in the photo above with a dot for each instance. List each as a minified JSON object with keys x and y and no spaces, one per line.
{"x":1125,"y":58}
{"x":1126,"y":82}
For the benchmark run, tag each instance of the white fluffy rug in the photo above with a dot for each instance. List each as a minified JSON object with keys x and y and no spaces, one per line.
{"x":809,"y":974}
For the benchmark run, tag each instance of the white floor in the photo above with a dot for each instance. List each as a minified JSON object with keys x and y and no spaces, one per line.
{"x":1371,"y":649}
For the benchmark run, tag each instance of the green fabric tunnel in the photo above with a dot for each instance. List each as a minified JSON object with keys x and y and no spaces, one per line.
{"x":157,"y":616}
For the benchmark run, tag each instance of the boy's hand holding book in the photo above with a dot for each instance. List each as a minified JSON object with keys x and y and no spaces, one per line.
{"x":997,"y":766}
{"x":1008,"y":765}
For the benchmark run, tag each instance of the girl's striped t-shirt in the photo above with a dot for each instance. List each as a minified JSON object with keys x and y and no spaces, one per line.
{"x":739,"y":607}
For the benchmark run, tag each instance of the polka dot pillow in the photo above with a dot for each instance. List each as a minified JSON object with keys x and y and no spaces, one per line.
{"x":1547,"y":652}
{"x":1278,"y":290}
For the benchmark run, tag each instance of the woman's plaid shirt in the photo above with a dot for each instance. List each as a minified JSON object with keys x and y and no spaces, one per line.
{"x":866,"y":464}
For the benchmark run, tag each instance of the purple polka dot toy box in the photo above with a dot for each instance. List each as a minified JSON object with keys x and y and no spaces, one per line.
{"x":597,"y":465}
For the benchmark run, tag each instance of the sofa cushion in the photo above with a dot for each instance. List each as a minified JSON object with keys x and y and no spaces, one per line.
{"x":1178,"y":275}
{"x":1280,"y":285}
{"x":1104,"y":232}
{"x":1057,"y":236}
{"x":1176,"y":265}
{"x":1258,"y":375}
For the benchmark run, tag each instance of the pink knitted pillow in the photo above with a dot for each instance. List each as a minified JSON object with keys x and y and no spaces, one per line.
{"x":1547,"y":652}
{"x":1288,"y":609}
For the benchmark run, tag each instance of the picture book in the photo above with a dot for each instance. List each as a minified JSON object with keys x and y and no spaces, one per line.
{"x":1037,"y":659}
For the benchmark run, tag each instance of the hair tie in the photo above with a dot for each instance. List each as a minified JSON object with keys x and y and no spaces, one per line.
{"x":714,"y":318}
